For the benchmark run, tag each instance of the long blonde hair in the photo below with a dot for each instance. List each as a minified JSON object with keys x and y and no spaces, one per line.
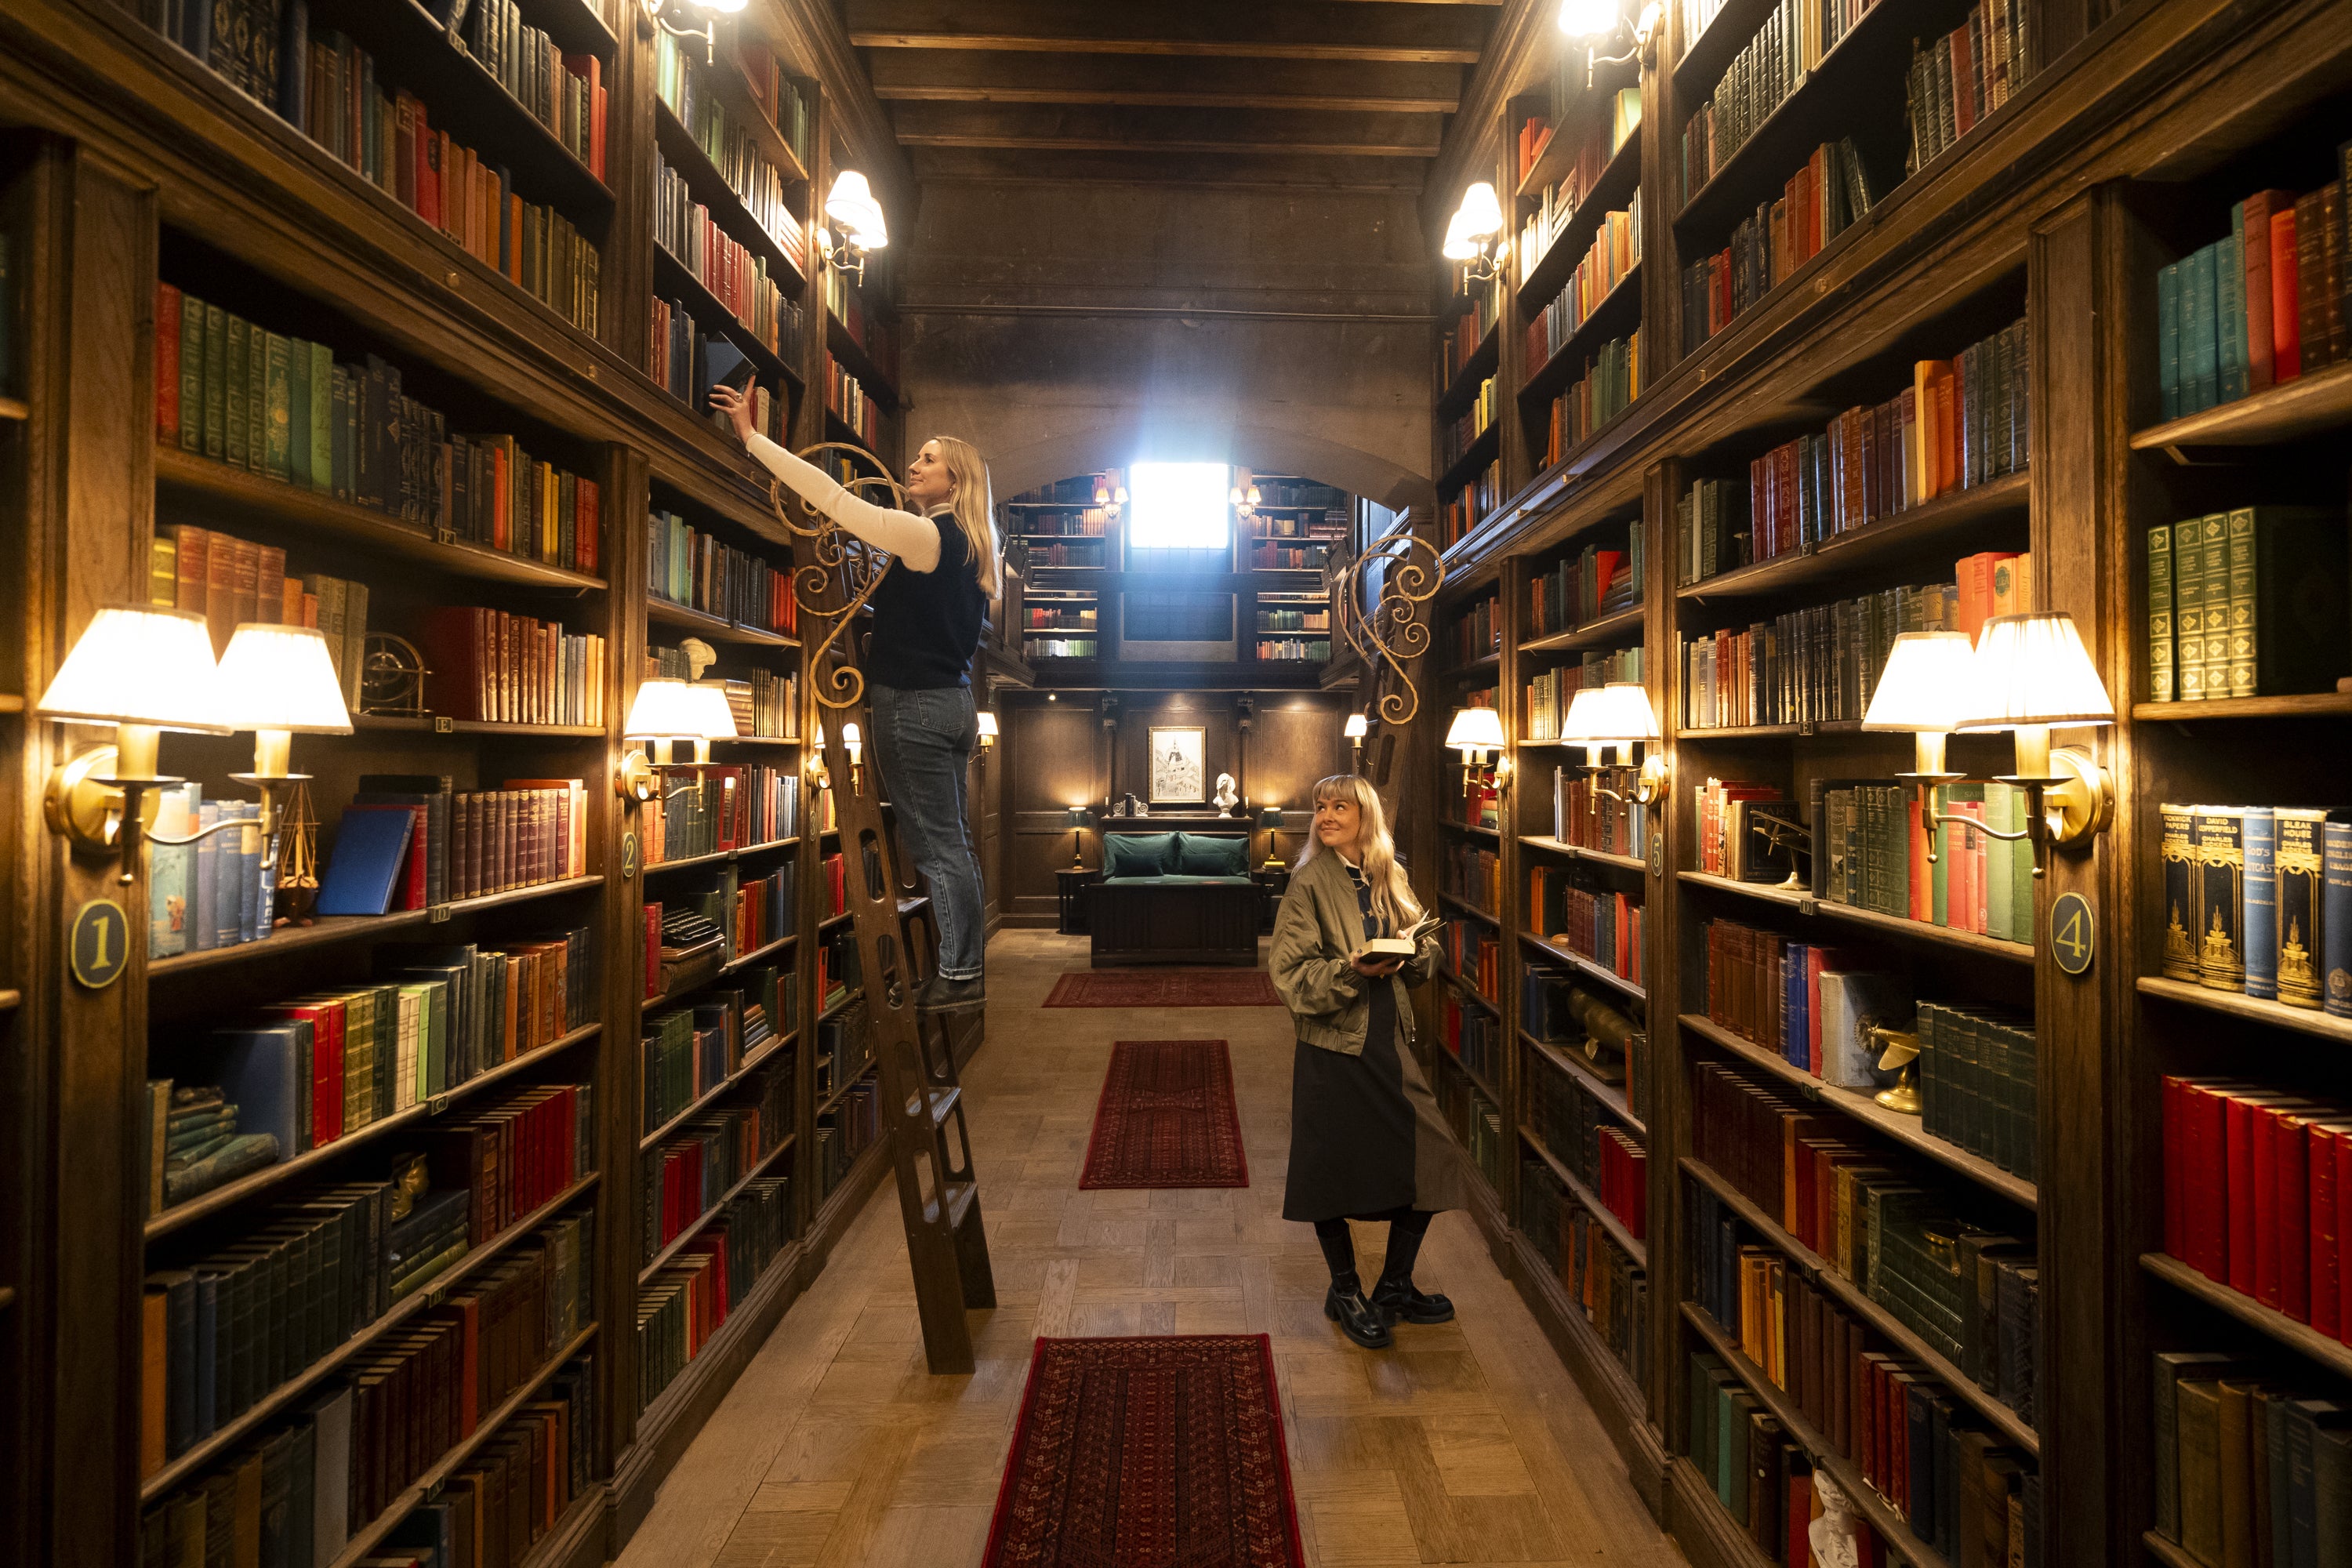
{"x":974,"y":506}
{"x":1392,"y":899}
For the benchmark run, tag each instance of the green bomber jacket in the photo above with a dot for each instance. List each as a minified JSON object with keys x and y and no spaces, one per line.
{"x":1320,"y":923}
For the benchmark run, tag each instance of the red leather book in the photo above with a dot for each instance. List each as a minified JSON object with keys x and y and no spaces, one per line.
{"x":2286,"y":297}
{"x":2241,"y":1183}
{"x":2324,"y":1224}
{"x":2205,"y":1187}
{"x":2291,"y":1145}
{"x":2267,"y":1112}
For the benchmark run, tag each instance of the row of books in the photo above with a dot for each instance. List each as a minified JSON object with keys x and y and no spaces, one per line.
{"x":231,"y":581}
{"x":688,"y":1173}
{"x":2261,"y":307}
{"x":846,"y":1132}
{"x":2252,"y":1466}
{"x":844,"y":297}
{"x":1599,"y":1278}
{"x":1596,"y":581}
{"x":1962,"y":422}
{"x":789,"y":101}
{"x":1559,"y":202}
{"x":1612,"y":379}
{"x":1288,"y":557}
{"x":487,"y":665}
{"x":686,"y":565}
{"x":686,"y":1052}
{"x":1475,"y":1123}
{"x":283,"y":408}
{"x":844,"y":1047}
{"x":462,"y":844}
{"x":1472,"y":1036}
{"x":1093,"y":523}
{"x":1765,"y":1481}
{"x":1964,"y":1493}
{"x":1555,"y":1005}
{"x":1458,"y":339}
{"x":689,"y":1300}
{"x":1292,"y":620}
{"x":511,"y":1492}
{"x":1478,"y":632}
{"x":848,"y":401}
{"x":564,"y":92}
{"x":730,"y":145}
{"x":1788,"y":46}
{"x":1549,"y":693}
{"x":736,"y":275}
{"x":1583,"y":816}
{"x":2253,"y":1194}
{"x":1062,"y":647}
{"x":1607,"y":1158}
{"x":2268,"y":892}
{"x":1817,"y":665}
{"x":1474,"y":954}
{"x":1461,"y":432}
{"x":1958,"y":79}
{"x":220,"y":890}
{"x":749,"y":912}
{"x":1595,"y":922}
{"x":686,"y":363}
{"x":2250,"y":602}
{"x":764,"y":704}
{"x":1079,"y":489}
{"x":734,"y":805}
{"x":1827,"y":195}
{"x":1480,"y":497}
{"x":1295,"y":650}
{"x":1969,"y":1293}
{"x":1615,"y":251}
{"x":1083,"y":552}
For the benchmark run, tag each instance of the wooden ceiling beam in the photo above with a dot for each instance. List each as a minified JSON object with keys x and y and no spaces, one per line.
{"x":1377,"y":30}
{"x":1159,"y":166}
{"x":938,"y":75}
{"x":1092,"y":129}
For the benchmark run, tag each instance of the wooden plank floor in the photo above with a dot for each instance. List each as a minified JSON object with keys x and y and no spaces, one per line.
{"x":1467,"y":1443}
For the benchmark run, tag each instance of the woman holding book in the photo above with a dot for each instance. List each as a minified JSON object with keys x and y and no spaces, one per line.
{"x":1366,"y":1139}
{"x":928,"y":615}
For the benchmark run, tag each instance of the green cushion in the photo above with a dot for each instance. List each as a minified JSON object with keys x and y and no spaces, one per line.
{"x":1175,"y":880}
{"x":1204,"y":855}
{"x":1139,"y":854}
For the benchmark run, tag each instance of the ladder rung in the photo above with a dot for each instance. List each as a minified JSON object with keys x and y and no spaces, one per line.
{"x":944,"y":1103}
{"x":960,"y":1195}
{"x":909,"y":906}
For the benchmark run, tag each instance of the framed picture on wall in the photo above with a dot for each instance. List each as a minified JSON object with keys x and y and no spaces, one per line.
{"x":1180,"y":775}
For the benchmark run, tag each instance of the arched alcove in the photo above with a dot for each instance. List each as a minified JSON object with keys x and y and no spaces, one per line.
{"x":1269,"y":448}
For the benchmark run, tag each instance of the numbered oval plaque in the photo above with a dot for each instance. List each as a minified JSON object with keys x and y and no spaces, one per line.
{"x":99,"y":944}
{"x":629,"y":856}
{"x":2074,"y":932}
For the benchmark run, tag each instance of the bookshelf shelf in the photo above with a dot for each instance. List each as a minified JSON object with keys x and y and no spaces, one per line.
{"x":1817,"y":1269}
{"x":243,"y":498}
{"x":1577,"y":851}
{"x":859,"y":362}
{"x":1474,"y":456}
{"x":1618,"y":311}
{"x":2238,"y":1005}
{"x":744,"y":960}
{"x":2166,"y":1553}
{"x":829,"y":922}
{"x":1467,"y":827}
{"x":717,"y":627}
{"x":1938,"y":524}
{"x":1551,"y":1302}
{"x":757,"y":741}
{"x":2300,"y":1338}
{"x":716,"y":1091}
{"x":231,"y":1433}
{"x":837,"y":1005}
{"x":1904,"y":1129}
{"x":1894,"y":925}
{"x":229,"y":1194}
{"x":14,"y":409}
{"x":429,"y":724}
{"x":1769,"y":732}
{"x":1611,"y":627}
{"x":1585,"y":966}
{"x":838,"y":1095}
{"x":663,"y":1259}
{"x":1484,"y":664}
{"x":1462,"y":906}
{"x":1706,"y":58}
{"x":675,"y":278}
{"x":2309,"y":705}
{"x":1463,"y":387}
{"x":1611,"y":1095}
{"x":1470,"y":992}
{"x":716,"y":856}
{"x":365,"y":1541}
{"x":1632,"y":1246}
{"x":709,"y":187}
{"x":333,"y":929}
{"x":2306,"y":405}
{"x":1881,"y":1515}
{"x":1620,"y":177}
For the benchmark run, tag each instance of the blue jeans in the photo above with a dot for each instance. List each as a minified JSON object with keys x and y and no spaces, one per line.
{"x":923,"y":739}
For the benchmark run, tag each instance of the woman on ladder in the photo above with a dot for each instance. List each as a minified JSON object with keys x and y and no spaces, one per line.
{"x":927,"y":624}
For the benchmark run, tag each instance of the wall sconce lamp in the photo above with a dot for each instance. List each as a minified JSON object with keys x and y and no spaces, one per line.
{"x":1077,"y":819}
{"x":1597,"y":21}
{"x":1357,"y":728}
{"x":278,"y":682}
{"x":664,"y":711}
{"x":1617,"y":715}
{"x":656,"y":11}
{"x":1474,"y":237}
{"x":2027,"y":674}
{"x":1271,"y":820}
{"x":1111,"y":498}
{"x":854,"y":224}
{"x":1477,"y":735}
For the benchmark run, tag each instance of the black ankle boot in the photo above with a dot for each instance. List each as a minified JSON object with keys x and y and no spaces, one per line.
{"x":1399,"y":1302}
{"x":941,"y":994}
{"x":1358,"y":1319}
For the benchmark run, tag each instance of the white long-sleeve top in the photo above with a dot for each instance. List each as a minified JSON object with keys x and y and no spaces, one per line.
{"x":913,"y":540}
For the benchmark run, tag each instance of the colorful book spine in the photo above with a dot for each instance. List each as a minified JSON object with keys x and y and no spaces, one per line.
{"x":2159,"y":614}
{"x":2221,"y":909}
{"x":2261,"y":918}
{"x":2300,"y":904}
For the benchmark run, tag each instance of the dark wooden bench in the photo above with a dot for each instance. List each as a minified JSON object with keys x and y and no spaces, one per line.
{"x":1173,"y":920}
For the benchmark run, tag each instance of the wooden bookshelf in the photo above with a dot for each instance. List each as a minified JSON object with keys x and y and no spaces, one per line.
{"x":1804,"y":904}
{"x":1550,"y":846}
{"x":1584,"y":967}
{"x":2310,"y":705}
{"x":2254,"y":1009}
{"x":1632,"y":1246}
{"x":1620,"y":177}
{"x":1608,"y":1094}
{"x":2308,"y":405}
{"x":332,"y":930}
{"x":1617,"y":626}
{"x":1947,"y":522}
{"x":2301,"y":1338}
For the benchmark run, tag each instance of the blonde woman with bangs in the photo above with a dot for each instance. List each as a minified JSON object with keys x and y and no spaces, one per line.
{"x":1366,"y":1139}
{"x":927,"y":626}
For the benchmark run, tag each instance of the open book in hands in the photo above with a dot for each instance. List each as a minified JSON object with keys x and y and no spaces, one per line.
{"x":1405,"y":944}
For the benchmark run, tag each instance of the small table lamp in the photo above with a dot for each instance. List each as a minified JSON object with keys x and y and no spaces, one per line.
{"x":1076,"y":821}
{"x":1271,"y":820}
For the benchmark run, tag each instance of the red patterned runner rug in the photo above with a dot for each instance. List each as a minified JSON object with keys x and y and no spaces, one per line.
{"x":1165,"y":988}
{"x":1166,"y":1118}
{"x":1148,"y":1453}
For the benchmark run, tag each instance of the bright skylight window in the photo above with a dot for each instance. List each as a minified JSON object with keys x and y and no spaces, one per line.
{"x":1179,"y":506}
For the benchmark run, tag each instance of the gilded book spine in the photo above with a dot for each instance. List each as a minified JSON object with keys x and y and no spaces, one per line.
{"x":2241,"y":606}
{"x":2159,"y":613}
{"x":2262,"y":902}
{"x":2214,"y":531}
{"x":2188,"y":614}
{"x":2180,"y":895}
{"x":2300,"y":904}
{"x":2220,"y":893}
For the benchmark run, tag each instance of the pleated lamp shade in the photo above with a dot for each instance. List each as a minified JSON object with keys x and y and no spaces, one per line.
{"x":2033,"y":669}
{"x":281,"y":677}
{"x":1927,"y":679}
{"x":136,"y":664}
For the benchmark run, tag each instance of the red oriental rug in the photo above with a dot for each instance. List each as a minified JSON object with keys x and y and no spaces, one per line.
{"x":1148,"y":1453}
{"x":1165,"y":988}
{"x":1166,"y":1118}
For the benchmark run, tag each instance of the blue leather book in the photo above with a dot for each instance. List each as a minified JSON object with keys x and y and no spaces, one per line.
{"x":2229,"y":309}
{"x":2335,"y":916}
{"x":370,"y":850}
{"x":2258,"y":920}
{"x":204,"y":935}
{"x":265,"y":1072}
{"x":2168,"y":317}
{"x":207,"y":1331}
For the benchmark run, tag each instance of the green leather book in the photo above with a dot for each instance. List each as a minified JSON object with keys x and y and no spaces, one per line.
{"x":321,"y":415}
{"x":2213,"y":543}
{"x":2188,"y":611}
{"x":235,"y":422}
{"x":297,"y":413}
{"x":257,"y":399}
{"x":277,"y":412}
{"x":2159,"y":614}
{"x":192,"y":374}
{"x":215,"y":401}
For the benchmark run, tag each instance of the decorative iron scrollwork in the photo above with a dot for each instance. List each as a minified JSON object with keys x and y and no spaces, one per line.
{"x":1394,"y":630}
{"x":846,"y":570}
